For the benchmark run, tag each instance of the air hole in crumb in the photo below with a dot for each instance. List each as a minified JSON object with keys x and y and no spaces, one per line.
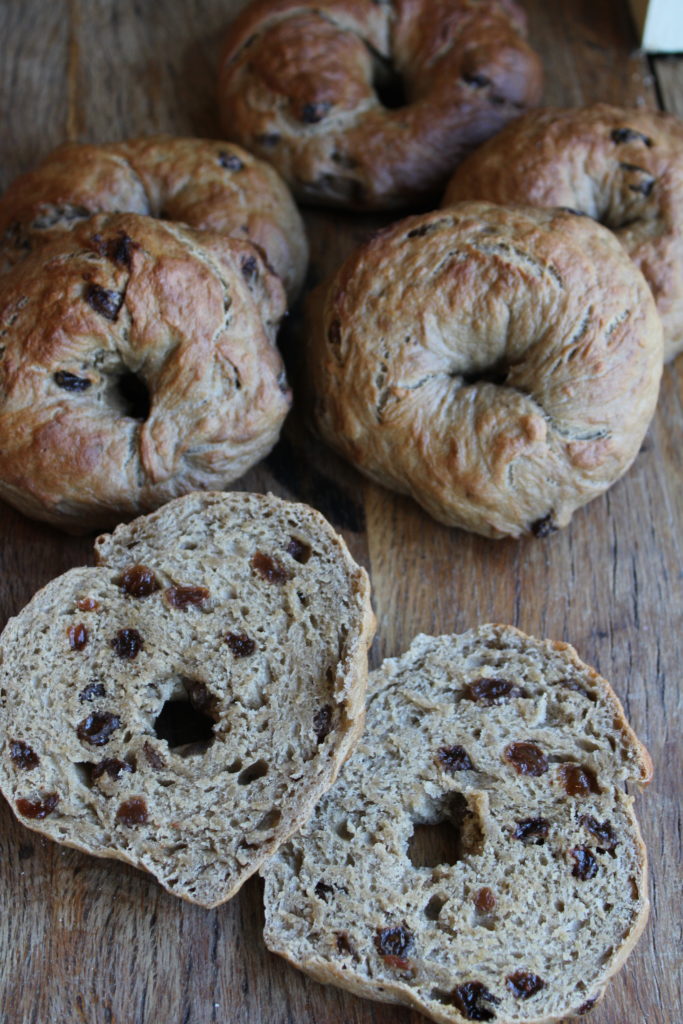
{"x":455,"y":835}
{"x":185,"y":724}
{"x":133,"y":396}
{"x":434,"y":907}
{"x":83,"y":771}
{"x":253,"y":772}
{"x":269,"y":820}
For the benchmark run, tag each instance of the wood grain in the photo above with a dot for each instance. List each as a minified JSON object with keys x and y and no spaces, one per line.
{"x":94,"y":941}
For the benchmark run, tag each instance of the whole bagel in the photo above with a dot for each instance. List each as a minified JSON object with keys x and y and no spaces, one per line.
{"x":137,"y":363}
{"x":622,"y":167}
{"x":211,"y":186}
{"x":369,"y":105}
{"x":500,"y":365}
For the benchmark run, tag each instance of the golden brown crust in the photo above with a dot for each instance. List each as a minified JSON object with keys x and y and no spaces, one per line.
{"x":121,"y":311}
{"x":207,"y":184}
{"x":622,"y":167}
{"x":499,"y":365}
{"x":300,"y":85}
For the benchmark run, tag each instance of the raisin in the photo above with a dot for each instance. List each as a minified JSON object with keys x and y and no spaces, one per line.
{"x":578,"y":781}
{"x":182,"y":597}
{"x":105,"y":302}
{"x":629,"y":135}
{"x":96,"y":729}
{"x":322,"y":723}
{"x":127,"y":643}
{"x":87,"y":604}
{"x":344,"y":947}
{"x":70,"y":382}
{"x":37,"y":809}
{"x":420,"y":232}
{"x":524,"y":984}
{"x":544,"y":527}
{"x":154,"y":758}
{"x":299,"y":550}
{"x":323,"y":890}
{"x":587,"y":1006}
{"x":267,"y":139}
{"x":527,"y":758}
{"x":585,"y":864}
{"x":230,"y":161}
{"x":269,"y":569}
{"x":78,"y":637}
{"x":643,"y":187}
{"x":120,"y":250}
{"x":485,"y":901}
{"x":112,"y":766}
{"x":488,"y":691}
{"x":92,"y":691}
{"x":132,"y":812}
{"x":23,"y":755}
{"x":602,"y":832}
{"x":534,"y":829}
{"x":476,"y":79}
{"x":311,"y":113}
{"x":454,"y":759}
{"x":240,"y":644}
{"x":394,"y":942}
{"x":139,"y":581}
{"x":249,"y":268}
{"x":467,"y":999}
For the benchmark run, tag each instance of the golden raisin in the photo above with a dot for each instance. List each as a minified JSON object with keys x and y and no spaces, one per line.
{"x":78,"y":637}
{"x":183,"y":597}
{"x":132,"y":812}
{"x":139,"y":581}
{"x":527,"y":758}
{"x":37,"y":809}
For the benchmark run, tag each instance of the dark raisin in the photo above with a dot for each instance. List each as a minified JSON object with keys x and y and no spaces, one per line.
{"x":394,"y":942}
{"x":311,"y":113}
{"x":113,"y":768}
{"x":629,"y":135}
{"x":120,"y":250}
{"x":127,"y":643}
{"x":334,"y":334}
{"x":154,"y":758}
{"x":476,"y":79}
{"x":420,"y":232}
{"x":78,"y":637}
{"x":643,"y":187}
{"x":139,"y":581}
{"x":230,"y":161}
{"x":578,"y":781}
{"x":240,"y":644}
{"x":269,"y":569}
{"x":485,"y":901}
{"x":23,"y":755}
{"x":535,"y":830}
{"x":602,"y":832}
{"x":323,"y":890}
{"x":527,"y":758}
{"x":322,"y":723}
{"x":105,"y":302}
{"x":344,"y":947}
{"x":524,"y":984}
{"x":249,"y":268}
{"x":96,"y":729}
{"x":87,"y":604}
{"x":468,"y":998}
{"x":132,"y":812}
{"x":585,"y":864}
{"x":267,"y":139}
{"x":299,"y":550}
{"x":587,"y":1006}
{"x":570,"y":209}
{"x":70,"y":382}
{"x":92,"y":691}
{"x":182,"y":597}
{"x":37,"y":808}
{"x":489,"y":690}
{"x":545,"y":526}
{"x":454,"y":759}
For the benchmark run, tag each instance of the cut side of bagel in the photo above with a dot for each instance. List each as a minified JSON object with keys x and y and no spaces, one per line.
{"x":183,"y":705}
{"x":478,"y":858}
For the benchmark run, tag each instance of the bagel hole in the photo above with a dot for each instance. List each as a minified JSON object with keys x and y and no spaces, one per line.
{"x":388,"y":84}
{"x":133,"y":396}
{"x":185,"y":721}
{"x":454,"y":835}
{"x":497,"y":373}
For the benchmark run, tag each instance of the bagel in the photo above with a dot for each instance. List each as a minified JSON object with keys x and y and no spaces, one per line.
{"x":138,"y":362}
{"x":501,"y":365}
{"x":369,"y":105}
{"x":622,"y":167}
{"x":208,"y":185}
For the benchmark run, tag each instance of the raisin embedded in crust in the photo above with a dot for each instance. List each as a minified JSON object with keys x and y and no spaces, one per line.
{"x":104,"y":301}
{"x":70,"y":382}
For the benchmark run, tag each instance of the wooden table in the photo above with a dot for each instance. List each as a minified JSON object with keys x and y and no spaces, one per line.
{"x":84,"y":940}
